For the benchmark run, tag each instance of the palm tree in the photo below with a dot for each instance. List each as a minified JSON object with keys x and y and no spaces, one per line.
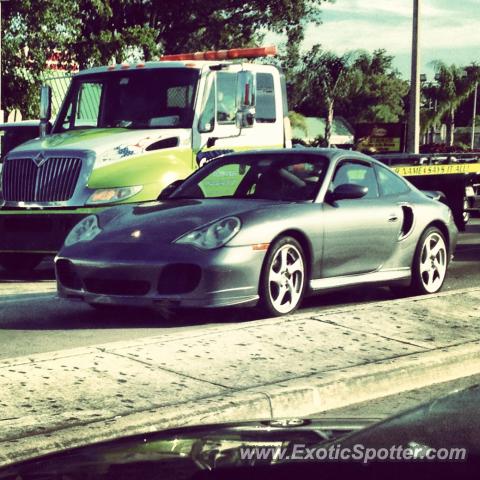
{"x":453,"y":86}
{"x":324,"y":81}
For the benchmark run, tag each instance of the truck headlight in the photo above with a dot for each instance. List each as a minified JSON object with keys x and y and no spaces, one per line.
{"x":109,"y":195}
{"x":84,"y":231}
{"x":214,"y":235}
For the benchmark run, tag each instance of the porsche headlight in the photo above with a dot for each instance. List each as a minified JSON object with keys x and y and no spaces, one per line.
{"x":86,"y":230}
{"x":214,"y":235}
{"x":109,"y":195}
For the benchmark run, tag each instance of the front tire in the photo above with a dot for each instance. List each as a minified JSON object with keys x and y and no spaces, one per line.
{"x":283,"y":278}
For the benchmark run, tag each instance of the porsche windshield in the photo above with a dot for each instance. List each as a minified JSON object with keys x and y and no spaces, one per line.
{"x":269,"y":177}
{"x":140,"y":98}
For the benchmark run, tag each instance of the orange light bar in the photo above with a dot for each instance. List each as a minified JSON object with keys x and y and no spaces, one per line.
{"x":231,"y":54}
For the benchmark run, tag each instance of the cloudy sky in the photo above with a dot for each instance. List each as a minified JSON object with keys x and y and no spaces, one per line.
{"x":450,"y":30}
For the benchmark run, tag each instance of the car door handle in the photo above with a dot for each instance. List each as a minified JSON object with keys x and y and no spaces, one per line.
{"x":393,"y":218}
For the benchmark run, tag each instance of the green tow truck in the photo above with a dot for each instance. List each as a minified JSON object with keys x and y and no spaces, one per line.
{"x":126,"y":132}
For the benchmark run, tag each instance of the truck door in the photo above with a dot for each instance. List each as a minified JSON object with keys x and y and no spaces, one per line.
{"x":218,"y":113}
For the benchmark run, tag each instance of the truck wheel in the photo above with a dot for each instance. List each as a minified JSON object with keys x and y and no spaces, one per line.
{"x":20,"y":262}
{"x":466,"y":213}
{"x":283,"y":279}
{"x":461,"y":214}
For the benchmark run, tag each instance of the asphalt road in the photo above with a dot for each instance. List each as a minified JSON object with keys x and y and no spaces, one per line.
{"x":33,"y":320}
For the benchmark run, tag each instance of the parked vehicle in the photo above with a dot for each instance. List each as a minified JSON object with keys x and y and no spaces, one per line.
{"x":14,"y":134}
{"x":456,"y":175}
{"x":262,"y":228}
{"x":125,"y":132}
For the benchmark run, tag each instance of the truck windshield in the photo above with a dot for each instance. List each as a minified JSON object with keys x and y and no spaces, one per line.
{"x":149,"y":98}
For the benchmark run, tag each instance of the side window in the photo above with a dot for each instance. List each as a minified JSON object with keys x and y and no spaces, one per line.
{"x":88,"y":104}
{"x":179,"y":97}
{"x":390,"y":183}
{"x":226,"y":97}
{"x":224,"y":181}
{"x":359,"y":173}
{"x":265,"y":102}
{"x":206,"y":122}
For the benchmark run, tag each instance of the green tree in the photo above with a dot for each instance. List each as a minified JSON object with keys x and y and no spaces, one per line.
{"x":360,"y":86}
{"x":453,"y":86}
{"x":323,"y":79}
{"x":93,"y":32}
{"x":377,"y":90}
{"x":31,"y":31}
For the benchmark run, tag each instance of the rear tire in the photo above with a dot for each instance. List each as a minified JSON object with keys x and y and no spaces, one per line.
{"x":283,"y":279}
{"x":429,"y":267}
{"x":20,"y":262}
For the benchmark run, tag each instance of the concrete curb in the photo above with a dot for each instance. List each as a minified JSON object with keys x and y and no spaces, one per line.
{"x":295,"y":398}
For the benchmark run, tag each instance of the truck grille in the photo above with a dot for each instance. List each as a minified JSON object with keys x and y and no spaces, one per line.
{"x":53,"y":181}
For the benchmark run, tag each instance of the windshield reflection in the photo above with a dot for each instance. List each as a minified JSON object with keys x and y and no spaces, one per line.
{"x":270,"y":177}
{"x":150,"y":98}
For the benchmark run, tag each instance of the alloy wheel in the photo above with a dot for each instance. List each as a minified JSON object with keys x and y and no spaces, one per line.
{"x":286,"y":278}
{"x":433,"y":262}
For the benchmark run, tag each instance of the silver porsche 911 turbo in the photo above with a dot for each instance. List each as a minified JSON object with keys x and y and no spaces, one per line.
{"x":262,"y":228}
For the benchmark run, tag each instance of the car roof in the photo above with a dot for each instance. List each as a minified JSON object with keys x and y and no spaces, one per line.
{"x":330,"y":153}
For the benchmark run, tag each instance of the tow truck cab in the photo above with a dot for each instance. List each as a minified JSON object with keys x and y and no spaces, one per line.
{"x":125,"y":132}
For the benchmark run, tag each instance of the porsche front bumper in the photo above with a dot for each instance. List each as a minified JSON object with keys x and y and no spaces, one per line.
{"x":178,"y":275}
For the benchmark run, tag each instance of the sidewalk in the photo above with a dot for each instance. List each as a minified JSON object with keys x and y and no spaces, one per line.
{"x":291,"y":366}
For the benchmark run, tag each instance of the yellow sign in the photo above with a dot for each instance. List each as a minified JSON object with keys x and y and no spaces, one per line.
{"x":380,"y":144}
{"x":456,"y":168}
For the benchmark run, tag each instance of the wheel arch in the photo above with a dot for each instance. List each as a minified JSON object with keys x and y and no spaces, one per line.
{"x":306,"y":245}
{"x":443,"y":228}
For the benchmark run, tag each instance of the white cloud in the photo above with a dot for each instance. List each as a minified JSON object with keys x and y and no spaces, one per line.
{"x":401,"y":8}
{"x":450,"y":30}
{"x":350,"y":34}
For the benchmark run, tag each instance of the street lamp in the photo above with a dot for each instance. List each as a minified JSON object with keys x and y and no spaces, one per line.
{"x":474,"y":115}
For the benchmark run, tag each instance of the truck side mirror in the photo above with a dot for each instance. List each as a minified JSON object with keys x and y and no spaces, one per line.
{"x":45,"y":103}
{"x":246,"y":93}
{"x":45,"y":108}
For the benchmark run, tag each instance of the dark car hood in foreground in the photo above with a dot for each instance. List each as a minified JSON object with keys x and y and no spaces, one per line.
{"x":165,"y":221}
{"x":448,"y":422}
{"x":452,"y":421}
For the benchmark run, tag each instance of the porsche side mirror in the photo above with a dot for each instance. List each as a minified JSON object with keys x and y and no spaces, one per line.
{"x":169,"y":189}
{"x":349,"y":191}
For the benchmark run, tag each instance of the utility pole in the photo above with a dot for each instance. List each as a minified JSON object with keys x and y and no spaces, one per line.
{"x":1,"y":110}
{"x":474,"y":114}
{"x":413,"y":128}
